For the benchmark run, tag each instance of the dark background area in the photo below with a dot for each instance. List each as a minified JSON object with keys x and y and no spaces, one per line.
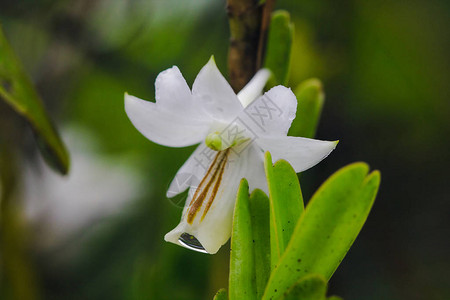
{"x":385,"y":68}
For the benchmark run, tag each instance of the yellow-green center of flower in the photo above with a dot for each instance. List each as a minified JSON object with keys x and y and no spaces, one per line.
{"x":219,"y":141}
{"x":215,"y":142}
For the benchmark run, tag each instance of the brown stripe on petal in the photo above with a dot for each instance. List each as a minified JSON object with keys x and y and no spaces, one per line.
{"x":208,"y":186}
{"x":215,"y":189}
{"x":204,"y":181}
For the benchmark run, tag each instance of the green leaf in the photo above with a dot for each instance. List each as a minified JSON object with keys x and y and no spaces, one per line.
{"x":286,"y":204}
{"x":279,"y":45}
{"x":221,"y":295}
{"x":334,"y":298}
{"x":242,"y":268}
{"x":310,"y":287}
{"x":17,"y":91}
{"x":260,"y":212}
{"x":327,"y":228}
{"x":310,"y":97}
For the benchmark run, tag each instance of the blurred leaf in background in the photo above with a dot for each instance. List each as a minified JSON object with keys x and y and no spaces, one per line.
{"x":17,"y":91}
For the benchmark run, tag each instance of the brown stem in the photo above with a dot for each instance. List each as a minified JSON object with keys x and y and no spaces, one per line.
{"x":245,"y":23}
{"x":265,"y":23}
{"x":249,"y":23}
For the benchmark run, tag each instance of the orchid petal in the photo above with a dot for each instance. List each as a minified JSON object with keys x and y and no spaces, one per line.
{"x":216,"y":95}
{"x":192,"y":171}
{"x":301,"y":153}
{"x":272,"y":113}
{"x":254,"y":169}
{"x":211,"y":223}
{"x":172,"y":93}
{"x":254,"y":88}
{"x":165,"y":127}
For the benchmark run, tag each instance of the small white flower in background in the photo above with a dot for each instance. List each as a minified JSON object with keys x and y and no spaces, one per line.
{"x":97,"y":187}
{"x":234,"y":131}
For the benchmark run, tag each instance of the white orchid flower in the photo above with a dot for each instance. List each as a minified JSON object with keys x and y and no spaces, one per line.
{"x":234,"y":131}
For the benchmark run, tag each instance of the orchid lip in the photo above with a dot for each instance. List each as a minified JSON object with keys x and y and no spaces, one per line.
{"x":207,"y":190}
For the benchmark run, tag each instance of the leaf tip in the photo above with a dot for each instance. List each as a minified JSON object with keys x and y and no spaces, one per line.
{"x":267,"y":159}
{"x":362,"y":166}
{"x":375,"y":177}
{"x":281,"y":14}
{"x":221,"y":295}
{"x":243,"y":184}
{"x":257,"y":193}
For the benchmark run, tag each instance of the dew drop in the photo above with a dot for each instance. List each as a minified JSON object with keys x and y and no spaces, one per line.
{"x":189,"y":241}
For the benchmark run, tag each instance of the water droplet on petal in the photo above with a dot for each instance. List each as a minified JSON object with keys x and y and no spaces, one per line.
{"x":189,"y":241}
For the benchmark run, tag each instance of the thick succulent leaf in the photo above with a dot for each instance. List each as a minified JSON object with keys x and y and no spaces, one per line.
{"x":279,"y":45}
{"x":221,"y":295}
{"x":286,"y":204}
{"x":311,"y":287}
{"x":327,"y":228}
{"x":260,"y":212}
{"x":310,"y":97}
{"x":242,"y":268}
{"x":18,"y":92}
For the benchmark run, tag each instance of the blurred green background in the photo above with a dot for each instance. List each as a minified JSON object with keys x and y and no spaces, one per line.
{"x":385,"y":67}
